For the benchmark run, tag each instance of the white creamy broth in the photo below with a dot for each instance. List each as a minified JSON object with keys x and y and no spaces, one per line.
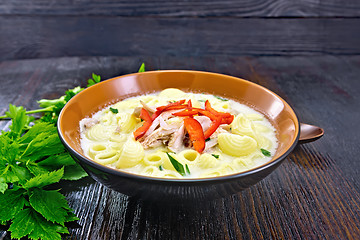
{"x":171,"y":146}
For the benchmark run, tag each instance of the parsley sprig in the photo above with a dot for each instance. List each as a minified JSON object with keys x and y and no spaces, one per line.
{"x":178,"y":166}
{"x":32,"y":158}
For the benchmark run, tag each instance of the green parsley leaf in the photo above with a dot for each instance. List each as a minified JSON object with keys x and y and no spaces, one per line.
{"x":23,"y":224}
{"x":19,"y":120}
{"x":161,"y":168}
{"x":187,"y":169}
{"x":114,"y":110}
{"x":177,"y":165}
{"x":11,"y":202}
{"x":142,"y":68}
{"x":35,"y":169}
{"x":202,"y":100}
{"x":74,"y":172}
{"x":208,"y":139}
{"x":215,"y":156}
{"x":220,"y":98}
{"x":50,"y":204}
{"x":3,"y":186}
{"x":265,"y":152}
{"x":31,"y":223}
{"x":95,"y":79}
{"x":44,"y":179}
{"x":57,"y":161}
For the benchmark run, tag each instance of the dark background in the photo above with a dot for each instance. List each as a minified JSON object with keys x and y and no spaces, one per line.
{"x":57,"y":28}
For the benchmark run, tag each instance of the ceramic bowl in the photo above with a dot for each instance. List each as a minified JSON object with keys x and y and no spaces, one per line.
{"x":110,"y":91}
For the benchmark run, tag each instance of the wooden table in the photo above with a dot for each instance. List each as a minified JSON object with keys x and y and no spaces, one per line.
{"x":314,"y":194}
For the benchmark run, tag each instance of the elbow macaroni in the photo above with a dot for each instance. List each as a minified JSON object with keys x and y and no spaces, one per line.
{"x":110,"y":141}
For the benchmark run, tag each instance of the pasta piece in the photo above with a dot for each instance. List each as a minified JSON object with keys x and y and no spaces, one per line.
{"x":155,"y":159}
{"x":99,"y":132}
{"x":236,"y":145}
{"x":243,"y":163}
{"x":152,"y":171}
{"x":172,"y":93}
{"x":188,"y":156}
{"x":221,"y":106}
{"x":108,"y":118}
{"x":127,"y":104}
{"x":254,"y":117}
{"x":242,"y":126}
{"x":107,"y":157}
{"x":96,"y":149}
{"x":131,"y":154}
{"x":147,"y":98}
{"x":127,"y":122}
{"x":227,"y":168}
{"x":118,"y":138}
{"x":211,"y":173}
{"x":206,"y":161}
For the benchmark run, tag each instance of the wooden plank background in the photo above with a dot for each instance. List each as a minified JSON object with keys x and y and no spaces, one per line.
{"x":43,"y":29}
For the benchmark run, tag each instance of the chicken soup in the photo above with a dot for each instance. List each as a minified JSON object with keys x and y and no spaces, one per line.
{"x":176,"y":134}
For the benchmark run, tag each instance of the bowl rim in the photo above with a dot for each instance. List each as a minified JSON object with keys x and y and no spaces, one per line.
{"x":138,"y":177}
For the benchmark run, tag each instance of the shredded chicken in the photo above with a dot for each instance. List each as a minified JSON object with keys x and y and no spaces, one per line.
{"x":137,"y":112}
{"x":118,"y":130}
{"x":204,"y":121}
{"x":158,"y":137}
{"x":147,"y":107}
{"x":176,"y":142}
{"x":214,"y":139}
{"x":89,"y":122}
{"x":155,"y":124}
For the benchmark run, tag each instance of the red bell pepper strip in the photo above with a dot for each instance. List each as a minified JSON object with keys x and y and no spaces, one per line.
{"x":227,"y":117}
{"x":144,"y":115}
{"x":213,"y":126}
{"x":186,"y":113}
{"x":163,"y":108}
{"x":170,"y":106}
{"x":196,"y":134}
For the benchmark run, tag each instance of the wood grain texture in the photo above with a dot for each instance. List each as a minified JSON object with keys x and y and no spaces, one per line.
{"x":314,"y":194}
{"x":173,"y":8}
{"x":36,"y":37}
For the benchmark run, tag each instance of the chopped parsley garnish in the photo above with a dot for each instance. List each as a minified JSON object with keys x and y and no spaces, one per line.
{"x":265,"y":152}
{"x":114,"y":110}
{"x":187,"y":169}
{"x":142,"y":68}
{"x":161,"y":168}
{"x":178,"y":166}
{"x":208,"y":139}
{"x":215,"y":155}
{"x":95,"y":79}
{"x":202,"y":100}
{"x":220,"y":98}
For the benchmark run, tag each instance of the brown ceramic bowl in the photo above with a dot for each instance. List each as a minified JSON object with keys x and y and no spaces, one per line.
{"x":110,"y":91}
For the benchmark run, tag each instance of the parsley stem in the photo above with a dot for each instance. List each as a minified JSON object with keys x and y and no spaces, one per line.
{"x":47,"y":109}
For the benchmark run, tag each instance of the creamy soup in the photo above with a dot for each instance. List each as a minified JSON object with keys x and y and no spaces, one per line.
{"x":176,"y":134}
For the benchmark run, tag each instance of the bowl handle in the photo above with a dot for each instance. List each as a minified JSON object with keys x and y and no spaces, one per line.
{"x":309,"y":133}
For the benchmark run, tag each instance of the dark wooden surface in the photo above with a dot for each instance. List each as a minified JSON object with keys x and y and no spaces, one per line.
{"x":314,"y":194}
{"x":59,"y":28}
{"x":176,"y":8}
